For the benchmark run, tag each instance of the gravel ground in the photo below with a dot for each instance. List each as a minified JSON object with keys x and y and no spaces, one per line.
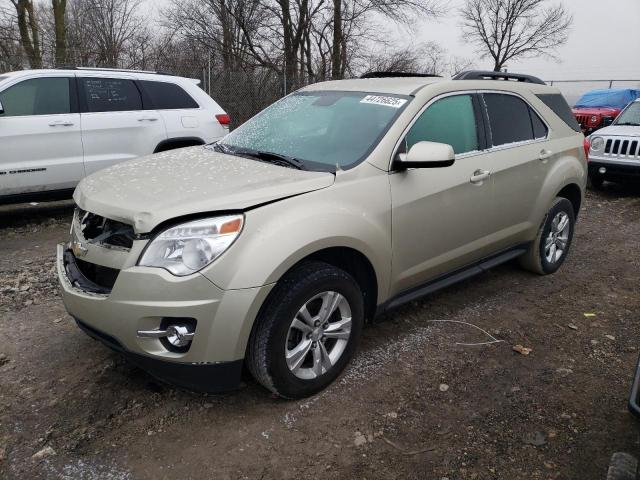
{"x":414,"y":404}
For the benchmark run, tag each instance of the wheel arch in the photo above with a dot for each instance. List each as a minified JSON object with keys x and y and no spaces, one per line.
{"x":356,"y":264}
{"x":573,"y":193}
{"x":178,"y":142}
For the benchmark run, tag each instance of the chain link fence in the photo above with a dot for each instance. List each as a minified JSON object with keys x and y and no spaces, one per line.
{"x":574,"y":89}
{"x":244,"y":93}
{"x":241,"y":94}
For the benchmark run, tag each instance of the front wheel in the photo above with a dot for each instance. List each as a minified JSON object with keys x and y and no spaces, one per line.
{"x":307,"y":331}
{"x":550,"y":248}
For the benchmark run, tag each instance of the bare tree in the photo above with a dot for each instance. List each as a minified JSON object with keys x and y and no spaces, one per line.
{"x":114,"y":24}
{"x":10,"y":50}
{"x":508,"y":29}
{"x":60,"y":28}
{"x":29,"y":31}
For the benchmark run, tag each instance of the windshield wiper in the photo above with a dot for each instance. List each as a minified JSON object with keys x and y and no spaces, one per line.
{"x":276,"y":158}
{"x":629,"y":124}
{"x":270,"y":157}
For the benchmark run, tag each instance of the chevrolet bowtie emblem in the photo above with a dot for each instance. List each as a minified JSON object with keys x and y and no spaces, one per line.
{"x":78,"y":249}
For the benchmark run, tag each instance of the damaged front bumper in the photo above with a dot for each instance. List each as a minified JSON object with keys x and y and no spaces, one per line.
{"x":145,"y":298}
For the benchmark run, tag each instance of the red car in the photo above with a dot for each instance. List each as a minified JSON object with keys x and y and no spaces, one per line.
{"x":599,"y":108}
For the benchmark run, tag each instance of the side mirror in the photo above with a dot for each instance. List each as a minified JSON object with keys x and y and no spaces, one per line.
{"x":427,"y":155}
{"x":1,"y":109}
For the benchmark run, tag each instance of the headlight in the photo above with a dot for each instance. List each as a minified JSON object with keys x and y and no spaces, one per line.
{"x":189,"y":247}
{"x":597,"y":143}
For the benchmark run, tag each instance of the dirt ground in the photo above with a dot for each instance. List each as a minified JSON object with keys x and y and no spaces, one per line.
{"x":413,"y":404}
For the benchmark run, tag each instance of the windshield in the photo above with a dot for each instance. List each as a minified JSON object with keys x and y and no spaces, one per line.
{"x":630,"y":116}
{"x":320,"y":129}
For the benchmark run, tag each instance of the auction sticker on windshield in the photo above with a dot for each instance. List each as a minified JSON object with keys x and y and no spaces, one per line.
{"x":393,"y":102}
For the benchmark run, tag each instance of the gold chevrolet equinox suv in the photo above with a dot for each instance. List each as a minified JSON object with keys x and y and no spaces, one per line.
{"x":272,"y":247}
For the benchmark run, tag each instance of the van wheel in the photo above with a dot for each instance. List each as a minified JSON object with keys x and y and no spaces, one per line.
{"x":550,"y":248}
{"x":307,"y":331}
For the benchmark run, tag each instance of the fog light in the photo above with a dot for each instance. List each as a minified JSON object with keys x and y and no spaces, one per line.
{"x":174,"y":336}
{"x":602,"y":170}
{"x":179,"y":335}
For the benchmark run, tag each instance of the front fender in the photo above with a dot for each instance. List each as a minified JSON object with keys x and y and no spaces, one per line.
{"x":354,"y":213}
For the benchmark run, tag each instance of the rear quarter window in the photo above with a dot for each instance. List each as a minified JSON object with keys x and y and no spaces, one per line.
{"x":167,"y":96}
{"x":557,"y":103}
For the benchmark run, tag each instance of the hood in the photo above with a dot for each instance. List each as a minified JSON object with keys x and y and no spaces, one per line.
{"x":618,"y":131}
{"x":147,"y":191}
{"x":606,"y":111}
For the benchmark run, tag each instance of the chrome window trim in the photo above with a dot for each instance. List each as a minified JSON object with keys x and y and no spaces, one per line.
{"x":465,"y":155}
{"x":506,"y":146}
{"x":415,"y":119}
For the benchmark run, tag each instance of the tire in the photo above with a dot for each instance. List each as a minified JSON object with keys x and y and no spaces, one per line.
{"x":272,"y":355}
{"x":622,"y":467}
{"x":596,"y":182}
{"x":536,"y":259}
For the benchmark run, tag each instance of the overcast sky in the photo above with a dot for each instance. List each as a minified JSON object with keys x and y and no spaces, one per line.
{"x":604,"y":42}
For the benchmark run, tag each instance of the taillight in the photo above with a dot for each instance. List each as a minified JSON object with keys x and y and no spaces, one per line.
{"x":223,"y":119}
{"x":587,"y":147}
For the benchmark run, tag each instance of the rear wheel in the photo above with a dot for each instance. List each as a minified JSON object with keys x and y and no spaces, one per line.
{"x":550,"y":248}
{"x":307,"y":331}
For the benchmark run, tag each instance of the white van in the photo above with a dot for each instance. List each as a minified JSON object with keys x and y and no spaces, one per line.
{"x":58,"y":126}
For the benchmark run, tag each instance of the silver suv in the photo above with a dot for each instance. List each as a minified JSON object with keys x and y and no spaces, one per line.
{"x":273,"y":246}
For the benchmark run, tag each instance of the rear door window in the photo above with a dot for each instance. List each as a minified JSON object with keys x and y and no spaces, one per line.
{"x":37,"y":96}
{"x":167,"y":96}
{"x":509,"y":119}
{"x":110,"y":95}
{"x":450,"y":120}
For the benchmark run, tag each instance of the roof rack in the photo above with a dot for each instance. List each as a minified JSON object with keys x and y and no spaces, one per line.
{"x":100,"y":69}
{"x":387,"y":74}
{"x":487,"y":75}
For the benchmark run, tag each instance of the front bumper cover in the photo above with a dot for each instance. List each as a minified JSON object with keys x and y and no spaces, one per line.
{"x":614,"y":170}
{"x":143,"y":296}
{"x":204,"y":377}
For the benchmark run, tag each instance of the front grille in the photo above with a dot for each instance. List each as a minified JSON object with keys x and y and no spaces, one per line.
{"x":104,"y":276}
{"x":89,"y":277}
{"x":622,"y":148}
{"x":583,"y":120}
{"x":101,"y":230}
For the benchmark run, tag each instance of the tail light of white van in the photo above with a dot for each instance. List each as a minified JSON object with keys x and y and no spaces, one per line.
{"x":224,"y":119}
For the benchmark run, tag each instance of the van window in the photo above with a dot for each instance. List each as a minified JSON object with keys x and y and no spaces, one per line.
{"x":37,"y":96}
{"x":450,"y":120}
{"x":167,"y":96}
{"x":111,"y":95}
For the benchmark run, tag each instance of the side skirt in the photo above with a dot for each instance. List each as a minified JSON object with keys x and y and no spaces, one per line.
{"x":451,"y":278}
{"x":45,"y":196}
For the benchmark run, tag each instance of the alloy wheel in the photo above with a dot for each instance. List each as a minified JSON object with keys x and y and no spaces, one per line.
{"x":556,"y":242}
{"x":318,"y":335}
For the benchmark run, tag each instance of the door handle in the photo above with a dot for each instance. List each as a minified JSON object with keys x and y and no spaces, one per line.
{"x":545,"y":154}
{"x":61,"y":123}
{"x":479,"y":176}
{"x":147,"y":119}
